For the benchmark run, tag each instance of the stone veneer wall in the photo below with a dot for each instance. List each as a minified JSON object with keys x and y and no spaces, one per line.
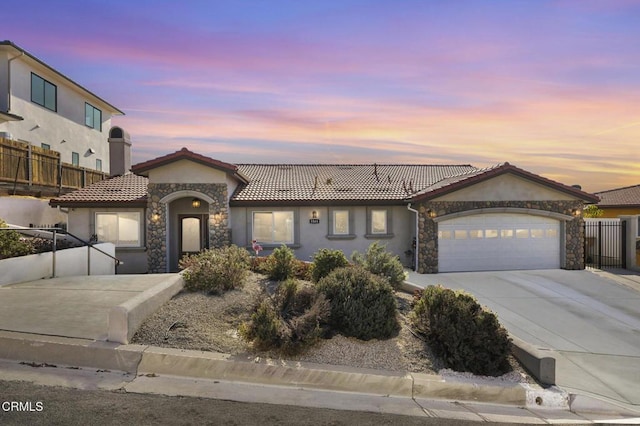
{"x":428,"y":230}
{"x":219,"y":232}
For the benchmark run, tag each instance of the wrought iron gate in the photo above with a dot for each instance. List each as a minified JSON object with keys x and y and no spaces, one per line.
{"x":605,"y":243}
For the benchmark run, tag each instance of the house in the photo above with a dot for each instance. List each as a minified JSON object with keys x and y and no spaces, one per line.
{"x":436,"y":218}
{"x":46,"y":111}
{"x":45,"y":108}
{"x":624,"y":201}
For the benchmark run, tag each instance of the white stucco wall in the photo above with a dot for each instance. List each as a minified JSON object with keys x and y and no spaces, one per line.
{"x":24,"y":211}
{"x":68,"y":263}
{"x":506,"y":187}
{"x":67,"y":123}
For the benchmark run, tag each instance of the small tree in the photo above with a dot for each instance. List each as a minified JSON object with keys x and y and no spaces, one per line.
{"x":379,"y":261}
{"x":592,"y":211}
{"x":326,"y":260}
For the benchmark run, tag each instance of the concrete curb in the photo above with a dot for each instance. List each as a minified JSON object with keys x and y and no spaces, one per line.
{"x":70,"y":351}
{"x":125,"y":318}
{"x":539,"y":362}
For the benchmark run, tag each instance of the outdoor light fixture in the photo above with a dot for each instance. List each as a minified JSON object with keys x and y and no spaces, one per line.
{"x":431,"y":213}
{"x":576,"y":212}
{"x":155,"y":217}
{"x":314,"y":214}
{"x":195,"y":203}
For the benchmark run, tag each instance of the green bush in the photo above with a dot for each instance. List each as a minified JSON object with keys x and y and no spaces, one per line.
{"x":11,"y":244}
{"x":363,"y":305}
{"x":325,"y":261}
{"x":380,"y":262}
{"x":293,"y":319}
{"x":216,"y":270}
{"x":461,"y":332}
{"x":281,"y":264}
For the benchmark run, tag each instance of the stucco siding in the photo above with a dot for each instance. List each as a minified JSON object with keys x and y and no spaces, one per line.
{"x":505,"y":187}
{"x":41,"y":125}
{"x":312,"y":237}
{"x":185,"y":171}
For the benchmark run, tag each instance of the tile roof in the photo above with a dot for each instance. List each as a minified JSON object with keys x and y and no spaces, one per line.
{"x":456,"y":182}
{"x":128,"y":189}
{"x":628,"y":196}
{"x":337,"y":182}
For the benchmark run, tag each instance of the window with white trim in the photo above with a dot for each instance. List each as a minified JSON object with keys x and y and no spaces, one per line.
{"x":340,"y":222}
{"x":274,"y":227}
{"x":119,"y":228}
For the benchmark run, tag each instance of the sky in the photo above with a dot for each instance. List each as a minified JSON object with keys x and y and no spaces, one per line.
{"x":552,"y":87}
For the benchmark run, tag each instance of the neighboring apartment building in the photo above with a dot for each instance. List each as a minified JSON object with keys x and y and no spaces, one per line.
{"x":44,"y":108}
{"x":41,"y":106}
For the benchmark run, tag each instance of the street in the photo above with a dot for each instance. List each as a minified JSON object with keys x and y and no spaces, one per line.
{"x":66,"y":406}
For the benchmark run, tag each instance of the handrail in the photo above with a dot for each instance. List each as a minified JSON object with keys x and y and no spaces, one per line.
{"x":56,"y":230}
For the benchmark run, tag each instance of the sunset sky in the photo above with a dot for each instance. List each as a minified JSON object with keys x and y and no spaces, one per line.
{"x":550,"y":86}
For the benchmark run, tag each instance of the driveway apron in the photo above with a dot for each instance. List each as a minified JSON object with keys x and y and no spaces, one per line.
{"x":590,"y":320}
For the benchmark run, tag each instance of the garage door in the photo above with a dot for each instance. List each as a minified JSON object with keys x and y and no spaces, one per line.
{"x":497,"y":242}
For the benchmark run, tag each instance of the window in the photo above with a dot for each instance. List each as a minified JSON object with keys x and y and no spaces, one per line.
{"x":378,"y":221}
{"x":341,"y":222}
{"x":460,"y":234}
{"x":491,"y":233}
{"x":522,"y":233}
{"x":506,"y":233}
{"x":44,"y":93}
{"x":45,"y":146}
{"x":444,"y":235}
{"x":75,"y":159}
{"x":475,"y":233}
{"x":537,"y":233}
{"x":92,"y":117}
{"x":98,"y":164}
{"x":119,"y":228}
{"x":273,"y":227}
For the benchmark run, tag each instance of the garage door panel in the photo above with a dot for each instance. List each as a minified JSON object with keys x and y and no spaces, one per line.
{"x":498,"y":242}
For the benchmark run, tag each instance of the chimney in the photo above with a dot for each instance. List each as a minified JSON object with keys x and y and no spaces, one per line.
{"x":119,"y":152}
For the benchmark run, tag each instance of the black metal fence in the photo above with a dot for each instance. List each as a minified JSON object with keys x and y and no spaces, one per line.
{"x":605,"y":243}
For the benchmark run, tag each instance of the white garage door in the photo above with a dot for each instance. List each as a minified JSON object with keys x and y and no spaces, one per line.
{"x":497,"y":242}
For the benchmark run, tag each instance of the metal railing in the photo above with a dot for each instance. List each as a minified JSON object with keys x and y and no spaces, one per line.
{"x":55,"y":233}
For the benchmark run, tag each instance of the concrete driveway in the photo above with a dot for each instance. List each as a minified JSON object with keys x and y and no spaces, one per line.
{"x":590,"y":318}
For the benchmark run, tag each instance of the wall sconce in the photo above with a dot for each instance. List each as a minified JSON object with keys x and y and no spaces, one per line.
{"x":155,"y":217}
{"x":314,"y":214}
{"x":195,"y":203}
{"x":431,"y":213}
{"x":91,"y":151}
{"x":576,"y":212}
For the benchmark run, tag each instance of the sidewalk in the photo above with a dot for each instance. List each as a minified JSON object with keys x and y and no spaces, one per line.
{"x":146,"y":369}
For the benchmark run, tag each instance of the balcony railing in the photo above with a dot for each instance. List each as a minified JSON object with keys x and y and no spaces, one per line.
{"x":25,"y":164}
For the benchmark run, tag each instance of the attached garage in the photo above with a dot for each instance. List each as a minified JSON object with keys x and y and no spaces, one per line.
{"x":498,"y":241}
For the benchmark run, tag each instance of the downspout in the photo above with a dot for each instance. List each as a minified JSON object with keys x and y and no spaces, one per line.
{"x":9,"y":79}
{"x":417,"y":236}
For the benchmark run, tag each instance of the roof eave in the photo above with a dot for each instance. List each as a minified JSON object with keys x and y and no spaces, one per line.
{"x":115,"y":111}
{"x":505,"y":168}
{"x":90,"y":204}
{"x":314,"y":203}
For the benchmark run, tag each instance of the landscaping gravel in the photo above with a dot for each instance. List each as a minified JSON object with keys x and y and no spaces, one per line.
{"x":204,"y":322}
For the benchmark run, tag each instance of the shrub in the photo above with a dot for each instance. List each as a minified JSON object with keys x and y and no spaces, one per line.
{"x":325,"y":261}
{"x":380,"y":262}
{"x":461,"y":332}
{"x":11,"y":244}
{"x":294,"y":318}
{"x":260,"y":265}
{"x":302,"y":270}
{"x":216,"y":270}
{"x":363,"y":305}
{"x":281,"y":264}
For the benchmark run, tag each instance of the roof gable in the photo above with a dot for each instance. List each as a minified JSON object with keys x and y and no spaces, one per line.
{"x":462,"y":181}
{"x":185,"y":154}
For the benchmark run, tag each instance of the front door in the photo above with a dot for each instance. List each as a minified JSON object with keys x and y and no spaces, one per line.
{"x":193,"y":235}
